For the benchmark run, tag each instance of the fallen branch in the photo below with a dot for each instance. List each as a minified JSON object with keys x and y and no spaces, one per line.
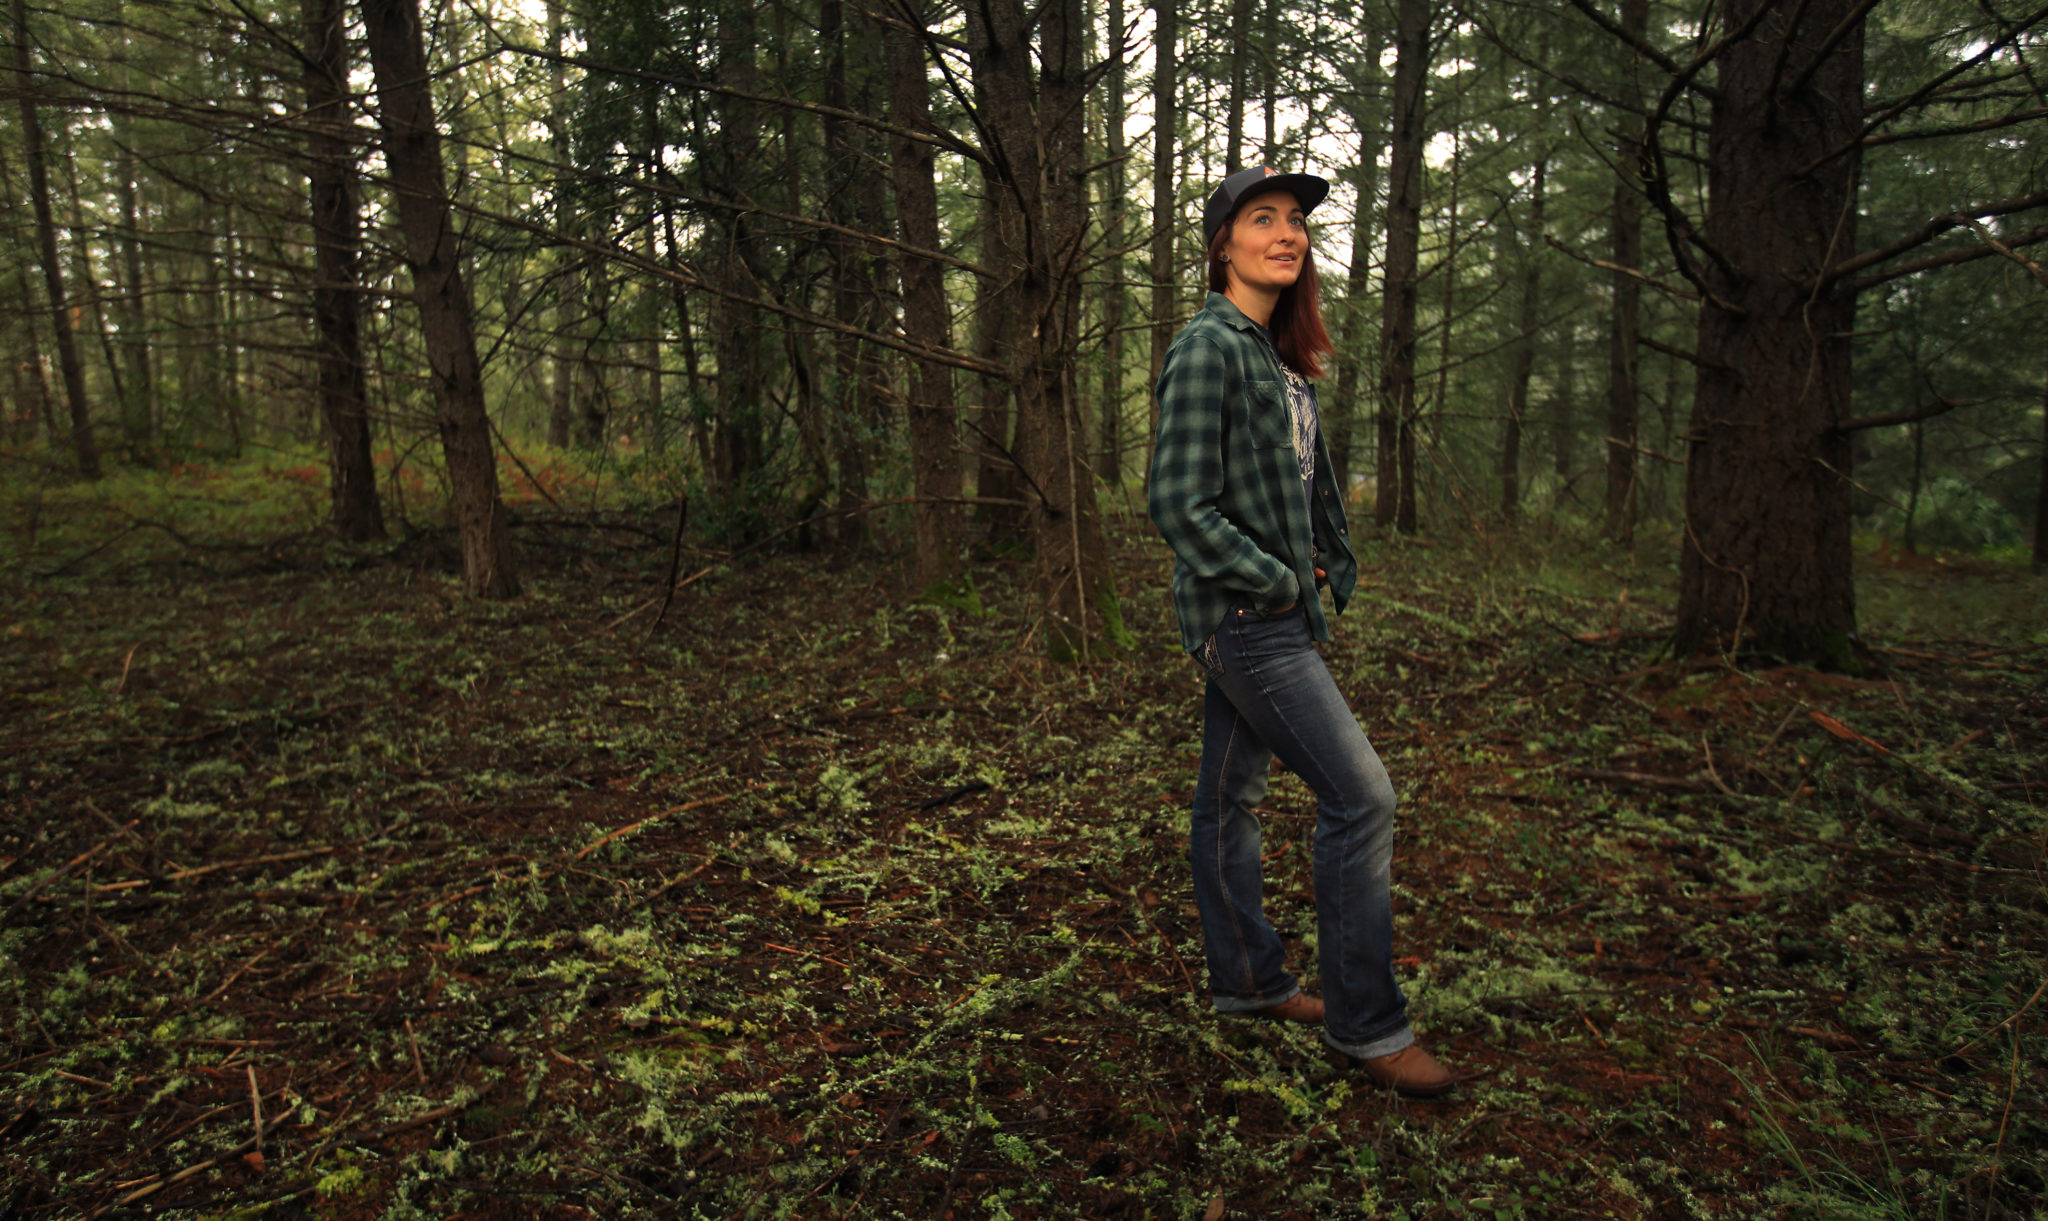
{"x":1645,"y":779}
{"x":631,"y":827}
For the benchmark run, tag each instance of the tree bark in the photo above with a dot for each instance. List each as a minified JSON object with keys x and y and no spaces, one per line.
{"x":934,"y":440}
{"x":854,"y":410}
{"x":82,"y":446}
{"x":996,"y":475}
{"x":337,"y":335}
{"x":1110,"y":410}
{"x":1165,"y":29}
{"x":1625,"y":307}
{"x":1765,"y":563}
{"x":1404,"y":239}
{"x":738,"y":439}
{"x":1037,"y":154}
{"x":1238,"y":55}
{"x":412,"y":150}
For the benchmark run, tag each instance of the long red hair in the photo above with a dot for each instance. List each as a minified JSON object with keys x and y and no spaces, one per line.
{"x":1297,"y":322}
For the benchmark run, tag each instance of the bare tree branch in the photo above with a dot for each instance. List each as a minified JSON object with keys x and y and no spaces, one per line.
{"x":1935,"y":408}
{"x":1931,"y":229}
{"x":1959,"y":129}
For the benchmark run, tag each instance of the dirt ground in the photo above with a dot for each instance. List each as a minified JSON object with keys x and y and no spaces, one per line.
{"x":325,"y":893}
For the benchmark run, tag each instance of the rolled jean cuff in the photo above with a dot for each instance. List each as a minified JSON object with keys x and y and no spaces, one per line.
{"x":1255,"y":1004}
{"x":1372,"y":1049}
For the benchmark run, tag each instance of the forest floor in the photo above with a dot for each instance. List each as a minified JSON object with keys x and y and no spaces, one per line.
{"x":326,"y":893}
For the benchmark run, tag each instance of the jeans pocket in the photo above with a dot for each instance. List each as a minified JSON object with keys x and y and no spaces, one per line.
{"x":1209,"y":660}
{"x":1258,"y":636}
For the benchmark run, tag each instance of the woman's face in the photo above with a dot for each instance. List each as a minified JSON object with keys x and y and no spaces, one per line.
{"x":1267,"y":242}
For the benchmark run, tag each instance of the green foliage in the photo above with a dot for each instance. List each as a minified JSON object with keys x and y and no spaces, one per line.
{"x":1954,"y":516}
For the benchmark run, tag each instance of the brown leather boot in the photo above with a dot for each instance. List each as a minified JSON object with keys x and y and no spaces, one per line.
{"x":1411,"y":1071}
{"x":1301,"y":1007}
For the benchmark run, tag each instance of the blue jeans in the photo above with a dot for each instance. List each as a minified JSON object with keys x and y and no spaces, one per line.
{"x":1270,"y":694}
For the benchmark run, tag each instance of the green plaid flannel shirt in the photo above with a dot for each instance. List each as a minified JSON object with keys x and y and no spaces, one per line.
{"x":1226,"y":489}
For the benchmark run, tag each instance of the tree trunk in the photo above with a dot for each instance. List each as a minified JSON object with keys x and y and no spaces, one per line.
{"x":996,"y":476}
{"x":412,"y":150}
{"x":1109,"y":463}
{"x":337,"y":336}
{"x":1765,"y":561}
{"x":1396,"y":502}
{"x":1341,"y":416}
{"x":1165,"y":219}
{"x":1238,"y":53}
{"x":738,"y":439}
{"x":1523,"y":362}
{"x":934,"y":441}
{"x":1038,"y":150}
{"x":68,"y":363}
{"x":1625,"y":312}
{"x":851,"y":407}
{"x":1269,"y":80}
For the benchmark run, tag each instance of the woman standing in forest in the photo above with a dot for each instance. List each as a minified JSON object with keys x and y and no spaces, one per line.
{"x":1244,"y":492}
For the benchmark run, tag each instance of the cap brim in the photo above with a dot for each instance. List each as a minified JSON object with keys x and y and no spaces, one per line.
{"x":1307,"y":189}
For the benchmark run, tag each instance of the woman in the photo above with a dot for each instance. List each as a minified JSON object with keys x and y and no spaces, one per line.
{"x":1242,"y":489}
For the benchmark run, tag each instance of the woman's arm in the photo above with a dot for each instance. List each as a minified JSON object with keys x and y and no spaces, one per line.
{"x":1188,"y":478}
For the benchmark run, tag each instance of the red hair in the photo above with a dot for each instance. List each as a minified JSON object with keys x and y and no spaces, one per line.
{"x":1297,"y":322}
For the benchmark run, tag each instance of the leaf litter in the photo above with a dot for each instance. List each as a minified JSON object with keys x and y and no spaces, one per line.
{"x":328,"y":894}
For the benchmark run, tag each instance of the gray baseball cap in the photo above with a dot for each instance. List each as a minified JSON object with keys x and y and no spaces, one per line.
{"x":1307,"y":189}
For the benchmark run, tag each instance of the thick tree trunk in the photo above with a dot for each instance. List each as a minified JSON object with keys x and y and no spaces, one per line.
{"x":1165,"y":29}
{"x":73,"y":369}
{"x":1404,"y":239}
{"x":1523,"y":362}
{"x":1625,"y":309}
{"x":854,"y":408}
{"x":1038,"y":145}
{"x":1765,"y":563}
{"x":412,"y":150}
{"x":996,"y":476}
{"x":337,"y":338}
{"x":934,"y":440}
{"x":739,"y":443}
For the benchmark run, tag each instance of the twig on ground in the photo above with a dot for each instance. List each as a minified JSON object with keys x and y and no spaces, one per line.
{"x":419,"y":1069}
{"x":255,"y":1109}
{"x":631,"y":827}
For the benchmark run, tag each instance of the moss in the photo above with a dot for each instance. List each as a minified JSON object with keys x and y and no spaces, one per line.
{"x":960,"y":595}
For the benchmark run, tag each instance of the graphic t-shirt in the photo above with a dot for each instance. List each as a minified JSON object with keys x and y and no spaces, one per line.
{"x":1301,"y":403}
